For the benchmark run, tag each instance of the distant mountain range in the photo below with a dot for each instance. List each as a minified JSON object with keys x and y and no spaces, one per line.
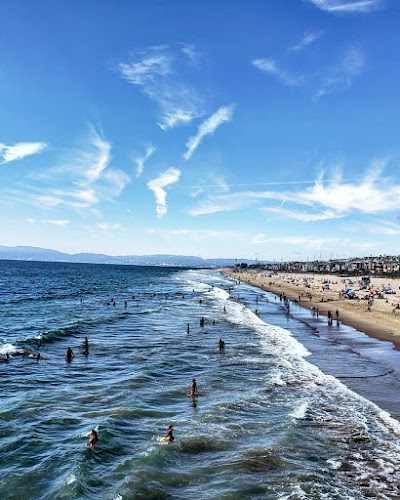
{"x":46,"y":255}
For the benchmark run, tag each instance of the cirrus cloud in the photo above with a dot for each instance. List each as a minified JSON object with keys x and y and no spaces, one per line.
{"x":346,"y":6}
{"x":208,"y":127}
{"x":157,"y":185}
{"x":20,"y":150}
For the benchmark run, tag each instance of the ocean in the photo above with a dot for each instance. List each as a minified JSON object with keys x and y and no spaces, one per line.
{"x":267,"y":423}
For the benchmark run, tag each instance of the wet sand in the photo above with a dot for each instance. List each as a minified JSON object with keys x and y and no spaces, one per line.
{"x":363,"y":363}
{"x":381,"y":320}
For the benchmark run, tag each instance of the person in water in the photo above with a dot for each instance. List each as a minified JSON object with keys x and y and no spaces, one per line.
{"x":202,"y":321}
{"x":193,"y":388}
{"x":221,"y":344}
{"x":69,"y":355}
{"x":86,"y":347}
{"x":93,"y":439}
{"x":170,"y":434}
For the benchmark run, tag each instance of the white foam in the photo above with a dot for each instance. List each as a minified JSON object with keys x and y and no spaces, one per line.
{"x":8,"y":348}
{"x":277,"y":340}
{"x":300,"y":411}
{"x":334,"y":464}
{"x":70,"y":479}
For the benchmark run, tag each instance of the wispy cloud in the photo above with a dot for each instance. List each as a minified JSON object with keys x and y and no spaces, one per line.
{"x":20,"y":150}
{"x":315,"y":243}
{"x":303,"y":216}
{"x":271,"y":67}
{"x":107,"y":226}
{"x":56,"y":222}
{"x":198,"y":234}
{"x":159,"y":72}
{"x":325,"y":199}
{"x":346,"y":5}
{"x":208,"y":127}
{"x":158,"y":184}
{"x":82,"y":179}
{"x":307,"y":39}
{"x":142,"y":159}
{"x":211,"y":183}
{"x":342,"y":76}
{"x":97,"y":156}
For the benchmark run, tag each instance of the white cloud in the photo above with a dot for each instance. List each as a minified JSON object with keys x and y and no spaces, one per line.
{"x":270,"y":66}
{"x":208,"y":127}
{"x":142,"y":159}
{"x":97,"y":156}
{"x":261,"y":239}
{"x":230,"y":202}
{"x":197,"y":234}
{"x":372,"y":194}
{"x":307,"y":39}
{"x":302,"y":216}
{"x":346,"y":5}
{"x":107,"y":226}
{"x":342,"y":76}
{"x":159,"y":72}
{"x":85,"y":176}
{"x":158,"y":184}
{"x":213,"y":183}
{"x":56,"y":222}
{"x":20,"y":150}
{"x":30,"y":220}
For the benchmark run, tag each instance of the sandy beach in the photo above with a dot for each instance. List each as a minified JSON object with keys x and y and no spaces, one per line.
{"x":379,"y":318}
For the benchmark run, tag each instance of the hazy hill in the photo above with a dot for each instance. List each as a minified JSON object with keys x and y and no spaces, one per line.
{"x":47,"y":255}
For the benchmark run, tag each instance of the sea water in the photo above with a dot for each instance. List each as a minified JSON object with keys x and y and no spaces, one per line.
{"x":266,"y":423}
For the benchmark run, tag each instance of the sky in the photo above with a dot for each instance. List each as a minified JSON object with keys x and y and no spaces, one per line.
{"x":263,"y":129}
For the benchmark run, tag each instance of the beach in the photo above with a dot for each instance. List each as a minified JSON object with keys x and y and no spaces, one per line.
{"x":380,"y":320}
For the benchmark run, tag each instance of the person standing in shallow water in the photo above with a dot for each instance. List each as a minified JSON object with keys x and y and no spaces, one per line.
{"x":69,"y":355}
{"x":93,"y":439}
{"x":170,"y":434}
{"x":86,"y":347}
{"x":193,"y":388}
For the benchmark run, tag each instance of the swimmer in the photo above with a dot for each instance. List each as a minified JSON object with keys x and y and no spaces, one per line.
{"x":23,"y":351}
{"x":93,"y":439}
{"x":35,"y":356}
{"x":69,"y":355}
{"x":193,"y":388}
{"x":170,"y":434}
{"x":202,"y":321}
{"x":221,"y":344}
{"x":188,"y":328}
{"x":86,"y":346}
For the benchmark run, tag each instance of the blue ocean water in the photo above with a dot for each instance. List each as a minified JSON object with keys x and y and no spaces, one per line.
{"x":266,"y":423}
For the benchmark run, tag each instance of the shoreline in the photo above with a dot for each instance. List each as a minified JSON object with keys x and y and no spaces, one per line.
{"x":380,"y":322}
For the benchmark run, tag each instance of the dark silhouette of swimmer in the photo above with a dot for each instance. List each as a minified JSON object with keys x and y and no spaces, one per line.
{"x":86,"y":347}
{"x":188,"y":328}
{"x":221,"y":344}
{"x":193,"y":388}
{"x":202,"y":321}
{"x":93,"y":439}
{"x":69,"y":355}
{"x":170,"y":434}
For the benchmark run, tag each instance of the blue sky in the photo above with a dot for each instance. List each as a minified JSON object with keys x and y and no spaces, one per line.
{"x":266,"y":129}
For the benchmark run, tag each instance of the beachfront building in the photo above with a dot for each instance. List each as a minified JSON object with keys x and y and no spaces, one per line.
{"x":382,"y":265}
